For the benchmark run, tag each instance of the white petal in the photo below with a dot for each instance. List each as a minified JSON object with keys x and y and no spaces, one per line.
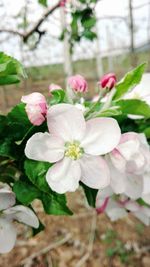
{"x":146,"y":183}
{"x":66,"y":121}
{"x":117,"y":180}
{"x":22,"y":214}
{"x":7,"y":199}
{"x":146,"y":198}
{"x":64,"y":176}
{"x":44,"y":147}
{"x":94,"y":172}
{"x":134,"y":186}
{"x":114,"y":211}
{"x":7,"y":235}
{"x":117,"y":160}
{"x":142,"y":217}
{"x":102,"y":136}
{"x":102,"y":195}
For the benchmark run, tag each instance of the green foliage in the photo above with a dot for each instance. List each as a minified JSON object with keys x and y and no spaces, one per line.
{"x":135,"y":107}
{"x":53,"y":203}
{"x":25,"y":192}
{"x":58,"y":96}
{"x":90,"y":194}
{"x":130,"y":80}
{"x":110,"y":236}
{"x":111,"y":112}
{"x":119,"y":250}
{"x":43,"y":2}
{"x":11,"y":70}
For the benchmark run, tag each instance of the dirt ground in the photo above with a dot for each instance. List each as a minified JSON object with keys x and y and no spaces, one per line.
{"x":84,"y":239}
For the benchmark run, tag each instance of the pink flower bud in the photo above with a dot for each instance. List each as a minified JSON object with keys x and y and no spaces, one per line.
{"x":53,"y":87}
{"x":78,"y":84}
{"x":36,"y":107}
{"x":62,"y":3}
{"x":108,"y":81}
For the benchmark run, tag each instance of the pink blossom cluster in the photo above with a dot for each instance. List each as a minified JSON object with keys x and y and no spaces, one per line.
{"x":129,"y":165}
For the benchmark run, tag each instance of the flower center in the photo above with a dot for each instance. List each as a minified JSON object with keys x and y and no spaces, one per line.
{"x":73,"y":150}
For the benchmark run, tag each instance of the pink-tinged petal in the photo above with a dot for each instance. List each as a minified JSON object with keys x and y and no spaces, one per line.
{"x":66,"y":121}
{"x":117,"y":179}
{"x":102,"y":208}
{"x":22,"y":214}
{"x":114,"y":211}
{"x":117,"y":160}
{"x":35,"y":114}
{"x":33,"y":98}
{"x":64,"y":176}
{"x":44,"y":147}
{"x":129,"y":148}
{"x":7,"y":235}
{"x":102,"y":136}
{"x":94,"y":172}
{"x":7,"y":199}
{"x":134,"y":186}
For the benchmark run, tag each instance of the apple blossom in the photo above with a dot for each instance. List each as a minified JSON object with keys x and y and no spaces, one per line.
{"x":8,"y":213}
{"x":36,"y":107}
{"x":78,"y":84}
{"x":132,"y":155}
{"x":108,"y":81}
{"x":129,"y":163}
{"x":141,"y":91}
{"x":76,"y":147}
{"x":118,"y":209}
{"x":53,"y":87}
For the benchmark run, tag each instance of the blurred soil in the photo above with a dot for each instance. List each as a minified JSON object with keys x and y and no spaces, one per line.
{"x":83,"y":239}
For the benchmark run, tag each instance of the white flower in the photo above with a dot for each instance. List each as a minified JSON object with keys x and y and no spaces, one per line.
{"x":129,"y":165}
{"x":104,"y":203}
{"x":118,"y":209}
{"x":75,"y":145}
{"x":8,"y":213}
{"x":141,"y":91}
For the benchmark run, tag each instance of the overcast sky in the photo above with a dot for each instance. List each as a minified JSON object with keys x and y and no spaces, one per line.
{"x":113,"y":33}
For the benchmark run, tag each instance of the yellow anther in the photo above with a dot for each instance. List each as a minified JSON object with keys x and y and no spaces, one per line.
{"x":73,"y":150}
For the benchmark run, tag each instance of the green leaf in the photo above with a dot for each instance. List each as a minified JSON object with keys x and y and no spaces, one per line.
{"x":55,"y":204}
{"x":135,"y":107}
{"x":111,"y":112}
{"x":18,"y":122}
{"x":147,"y":132}
{"x":25,"y":192}
{"x":57,"y":97}
{"x":36,"y":171}
{"x":141,"y":202}
{"x":11,"y":70}
{"x":7,"y":148}
{"x":90,"y":194}
{"x":43,"y":2}
{"x":130,"y":80}
{"x":90,"y":35}
{"x":89,"y":23}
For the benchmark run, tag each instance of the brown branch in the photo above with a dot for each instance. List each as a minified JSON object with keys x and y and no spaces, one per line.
{"x":35,"y":27}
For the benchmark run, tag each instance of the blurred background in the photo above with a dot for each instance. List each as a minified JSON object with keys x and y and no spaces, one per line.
{"x":55,"y":39}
